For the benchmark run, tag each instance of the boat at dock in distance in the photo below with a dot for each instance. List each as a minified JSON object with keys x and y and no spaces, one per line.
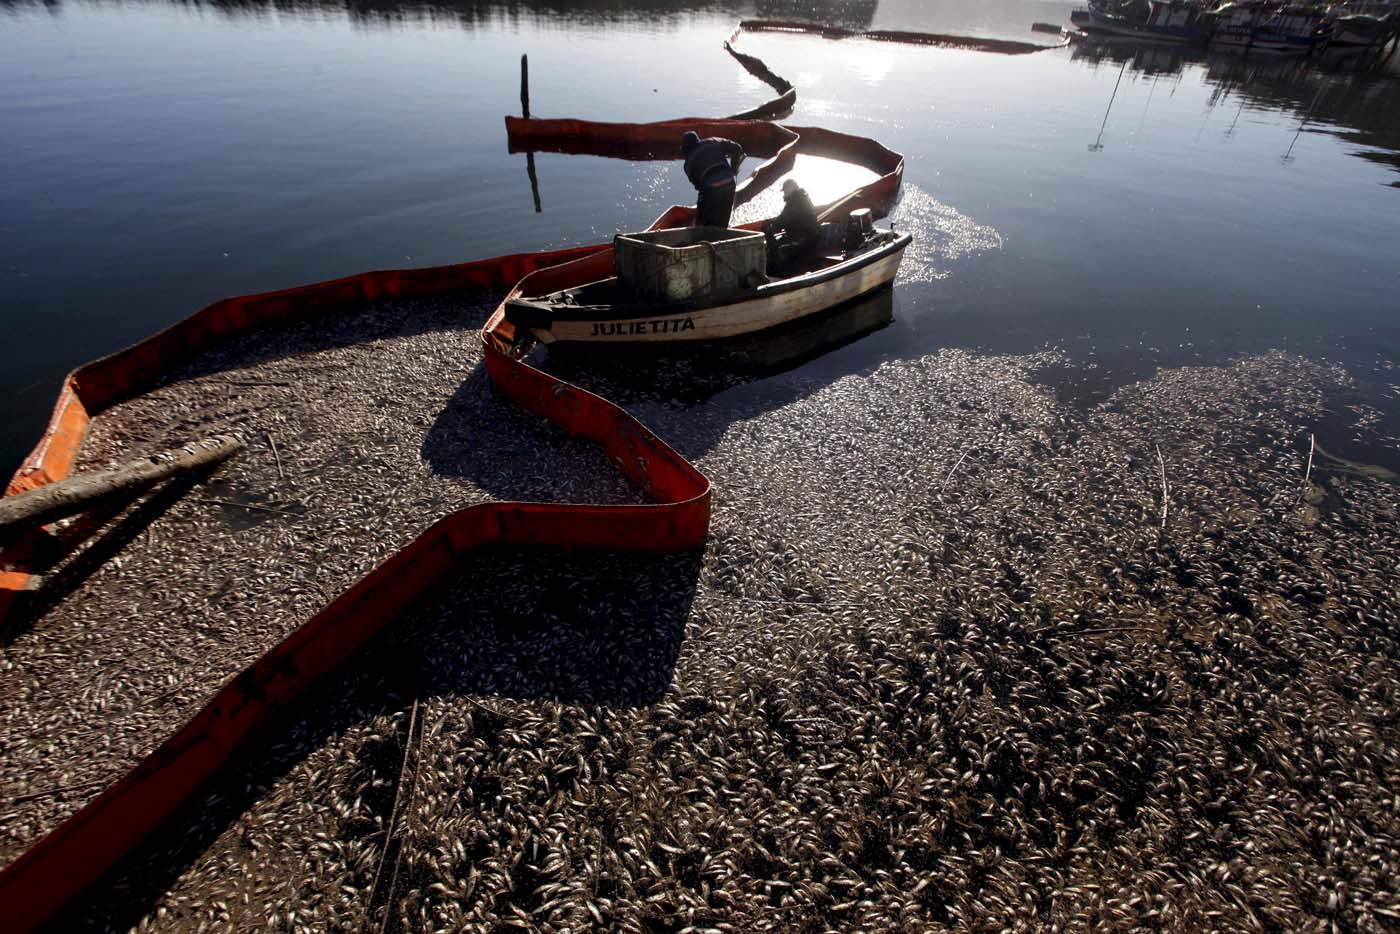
{"x":1263,"y":25}
{"x":1235,"y":23}
{"x":1157,"y":20}
{"x":1291,"y":29}
{"x":695,"y":284}
{"x":1369,"y":25}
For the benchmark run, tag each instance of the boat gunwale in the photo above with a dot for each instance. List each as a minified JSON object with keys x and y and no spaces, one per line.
{"x":679,"y":344}
{"x":576,"y":313}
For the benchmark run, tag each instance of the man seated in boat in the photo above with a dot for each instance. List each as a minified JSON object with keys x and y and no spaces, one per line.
{"x":711,"y":165}
{"x":796,"y":233}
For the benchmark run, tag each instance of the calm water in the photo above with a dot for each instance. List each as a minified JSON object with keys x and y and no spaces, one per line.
{"x":1137,"y":206}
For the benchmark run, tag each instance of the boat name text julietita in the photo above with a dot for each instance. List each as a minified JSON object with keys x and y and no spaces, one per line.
{"x":631,"y":328}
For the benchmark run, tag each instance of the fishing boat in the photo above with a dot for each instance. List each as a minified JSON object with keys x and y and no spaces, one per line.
{"x":1291,"y":29}
{"x":1269,"y":27}
{"x":1362,"y":30}
{"x":692,"y":373}
{"x":695,"y":284}
{"x":1163,"y":21}
{"x":1235,"y":24}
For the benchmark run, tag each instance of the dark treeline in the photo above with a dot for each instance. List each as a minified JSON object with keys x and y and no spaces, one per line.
{"x":849,"y":14}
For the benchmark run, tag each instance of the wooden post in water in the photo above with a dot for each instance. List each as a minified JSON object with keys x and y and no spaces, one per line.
{"x":525,"y":112}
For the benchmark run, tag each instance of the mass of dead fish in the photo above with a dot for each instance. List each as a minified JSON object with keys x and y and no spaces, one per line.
{"x":382,"y":422}
{"x":956,"y":656}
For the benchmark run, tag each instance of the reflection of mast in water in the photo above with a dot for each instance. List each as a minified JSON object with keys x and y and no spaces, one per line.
{"x":1097,"y":145}
{"x":1231,"y":131}
{"x":1214,"y":101}
{"x":1288,"y":156}
{"x":1359,"y":99}
{"x":1210,"y":109}
{"x":1235,"y":80}
{"x":1143,"y":121}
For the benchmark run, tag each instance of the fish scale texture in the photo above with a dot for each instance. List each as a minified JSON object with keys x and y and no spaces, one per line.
{"x":383,"y":421}
{"x":940,"y":667}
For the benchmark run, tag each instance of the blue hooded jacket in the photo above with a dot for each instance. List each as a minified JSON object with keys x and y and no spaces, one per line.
{"x":712,"y":161}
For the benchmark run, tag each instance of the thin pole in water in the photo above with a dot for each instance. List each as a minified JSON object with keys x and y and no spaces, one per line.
{"x":525,"y":112}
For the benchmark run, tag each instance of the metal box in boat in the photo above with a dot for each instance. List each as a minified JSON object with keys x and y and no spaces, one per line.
{"x":685,"y":263}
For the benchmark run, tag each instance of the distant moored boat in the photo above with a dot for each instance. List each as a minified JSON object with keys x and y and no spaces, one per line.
{"x":1164,"y":21}
{"x":1364,"y":30}
{"x":1291,"y":29}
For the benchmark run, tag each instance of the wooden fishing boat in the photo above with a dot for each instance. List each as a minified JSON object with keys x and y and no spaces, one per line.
{"x":694,"y":372}
{"x":1291,"y":30}
{"x":1235,"y":24}
{"x":1163,"y":21}
{"x":1270,"y":27}
{"x":732,"y":301}
{"x":1364,"y":31}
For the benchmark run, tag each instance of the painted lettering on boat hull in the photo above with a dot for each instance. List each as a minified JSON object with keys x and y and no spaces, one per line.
{"x":743,"y":317}
{"x":640,"y":328}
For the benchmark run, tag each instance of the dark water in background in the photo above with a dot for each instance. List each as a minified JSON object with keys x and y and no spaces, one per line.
{"x":160,"y":155}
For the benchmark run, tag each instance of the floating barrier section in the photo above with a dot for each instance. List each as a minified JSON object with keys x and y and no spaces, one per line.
{"x":769,"y":110}
{"x":778,"y":144}
{"x":38,"y":885}
{"x":974,"y":43}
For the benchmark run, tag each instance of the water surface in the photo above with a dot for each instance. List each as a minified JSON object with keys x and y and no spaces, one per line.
{"x":1135,"y":205}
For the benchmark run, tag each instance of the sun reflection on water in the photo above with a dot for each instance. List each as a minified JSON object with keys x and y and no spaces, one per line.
{"x":942,"y":235}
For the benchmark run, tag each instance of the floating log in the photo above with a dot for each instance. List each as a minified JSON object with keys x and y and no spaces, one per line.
{"x":79,"y":494}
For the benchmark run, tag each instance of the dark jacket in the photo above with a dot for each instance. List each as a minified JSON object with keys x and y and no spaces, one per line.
{"x":714,"y":160}
{"x":799,"y":219}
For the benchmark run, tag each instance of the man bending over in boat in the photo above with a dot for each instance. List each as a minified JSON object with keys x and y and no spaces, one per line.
{"x":798,"y":226}
{"x":711,"y":165}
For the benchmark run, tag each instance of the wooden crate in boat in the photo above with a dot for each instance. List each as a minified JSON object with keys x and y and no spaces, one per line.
{"x":683,"y":263}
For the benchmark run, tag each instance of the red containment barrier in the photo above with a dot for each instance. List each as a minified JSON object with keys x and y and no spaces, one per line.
{"x":35,"y":887}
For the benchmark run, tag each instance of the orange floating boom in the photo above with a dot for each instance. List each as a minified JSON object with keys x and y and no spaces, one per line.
{"x":56,"y":870}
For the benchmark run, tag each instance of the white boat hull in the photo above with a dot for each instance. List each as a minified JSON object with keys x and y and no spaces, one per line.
{"x":726,"y":321}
